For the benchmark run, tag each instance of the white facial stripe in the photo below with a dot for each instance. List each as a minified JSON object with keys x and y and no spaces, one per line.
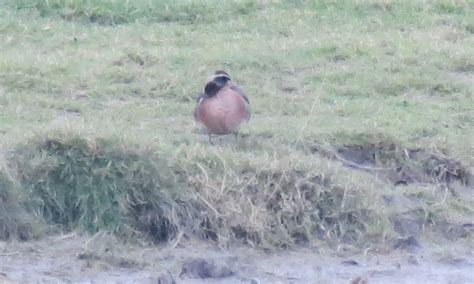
{"x":221,"y":75}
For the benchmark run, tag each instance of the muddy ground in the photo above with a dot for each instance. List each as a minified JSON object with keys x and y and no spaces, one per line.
{"x":74,"y":258}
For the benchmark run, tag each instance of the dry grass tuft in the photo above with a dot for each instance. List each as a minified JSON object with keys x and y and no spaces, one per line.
{"x":95,"y":184}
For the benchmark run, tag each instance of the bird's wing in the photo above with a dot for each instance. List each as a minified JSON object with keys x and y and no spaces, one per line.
{"x":237,"y":89}
{"x":241,"y":92}
{"x":199,"y":101}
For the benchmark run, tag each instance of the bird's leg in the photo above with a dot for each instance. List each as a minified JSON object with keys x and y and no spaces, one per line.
{"x":210,"y":140}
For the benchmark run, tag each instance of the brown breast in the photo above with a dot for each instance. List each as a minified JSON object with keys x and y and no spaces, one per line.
{"x":224,"y":112}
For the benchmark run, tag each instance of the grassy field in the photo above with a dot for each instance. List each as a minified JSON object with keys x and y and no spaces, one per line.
{"x":361,"y":129}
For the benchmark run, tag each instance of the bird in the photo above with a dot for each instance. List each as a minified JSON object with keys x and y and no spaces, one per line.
{"x":222,"y":107}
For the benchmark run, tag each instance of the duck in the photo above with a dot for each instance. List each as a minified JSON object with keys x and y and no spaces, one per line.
{"x":222,"y":107}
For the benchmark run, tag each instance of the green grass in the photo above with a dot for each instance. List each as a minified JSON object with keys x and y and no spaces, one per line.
{"x":112,"y":12}
{"x":17,"y":221}
{"x":91,"y":185}
{"x":384,"y":77}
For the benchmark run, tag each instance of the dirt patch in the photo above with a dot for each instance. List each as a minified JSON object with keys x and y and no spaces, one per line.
{"x":464,"y":77}
{"x":409,"y":244}
{"x":407,"y":225}
{"x":400,"y":165}
{"x":457,"y":231}
{"x":414,"y":209}
{"x":465,"y":66}
{"x":55,"y":259}
{"x":205,"y":268}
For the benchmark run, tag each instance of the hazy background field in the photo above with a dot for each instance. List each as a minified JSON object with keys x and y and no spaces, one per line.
{"x":361,"y":129}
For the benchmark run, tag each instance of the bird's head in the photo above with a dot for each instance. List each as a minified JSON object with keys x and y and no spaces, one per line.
{"x":216,"y":82}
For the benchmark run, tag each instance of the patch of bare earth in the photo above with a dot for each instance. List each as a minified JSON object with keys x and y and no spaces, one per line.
{"x":400,"y":165}
{"x":73,"y":258}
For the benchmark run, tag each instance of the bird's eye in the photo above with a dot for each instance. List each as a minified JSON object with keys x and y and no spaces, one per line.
{"x":221,"y":80}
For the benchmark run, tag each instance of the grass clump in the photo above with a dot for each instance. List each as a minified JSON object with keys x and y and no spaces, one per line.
{"x":95,"y":185}
{"x":281,"y":202}
{"x":266,"y":201}
{"x":98,"y":185}
{"x":15,"y":221}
